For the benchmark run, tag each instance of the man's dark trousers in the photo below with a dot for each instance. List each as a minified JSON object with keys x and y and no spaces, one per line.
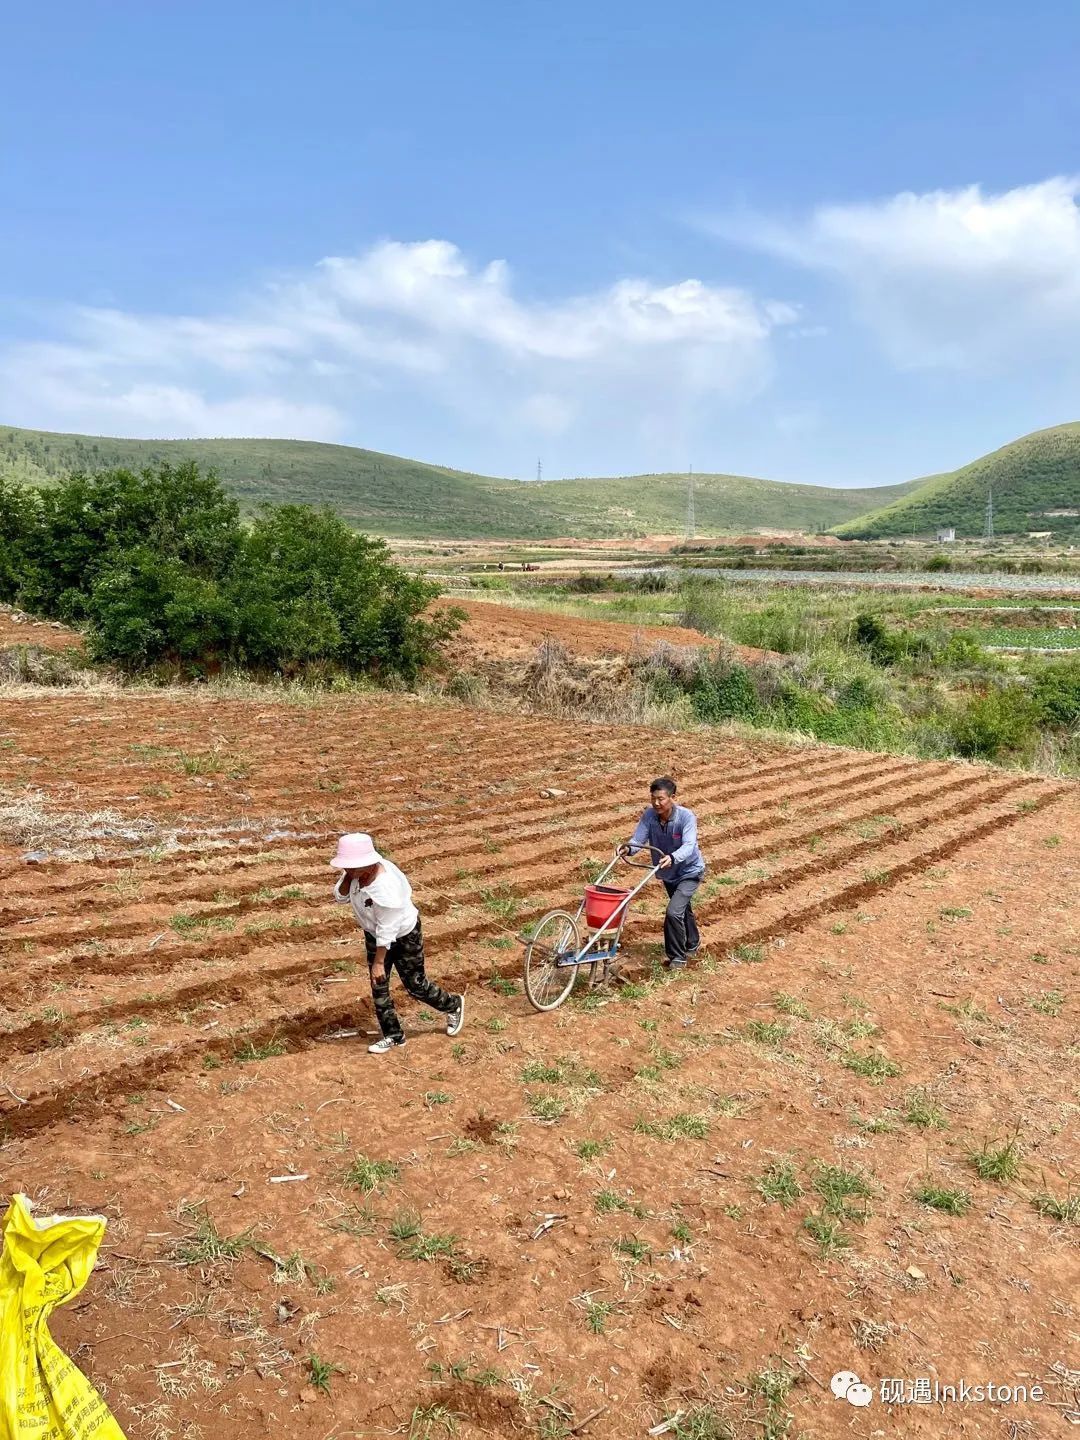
{"x":680,"y":926}
{"x":407,"y":955}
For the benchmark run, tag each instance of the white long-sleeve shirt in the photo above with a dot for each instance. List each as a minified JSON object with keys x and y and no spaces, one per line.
{"x":384,"y":908}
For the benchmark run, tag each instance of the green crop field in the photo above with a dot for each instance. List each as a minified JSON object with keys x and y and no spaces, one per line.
{"x":1029,"y":637}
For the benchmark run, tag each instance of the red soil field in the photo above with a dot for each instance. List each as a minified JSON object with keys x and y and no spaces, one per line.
{"x":505,"y":632}
{"x":731,"y":1161}
{"x":19,"y":629}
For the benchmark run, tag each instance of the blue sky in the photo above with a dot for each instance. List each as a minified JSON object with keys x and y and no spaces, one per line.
{"x":836,"y":243}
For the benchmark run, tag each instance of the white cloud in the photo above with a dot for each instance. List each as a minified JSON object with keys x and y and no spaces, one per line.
{"x":328,"y":353}
{"x":955,"y":278}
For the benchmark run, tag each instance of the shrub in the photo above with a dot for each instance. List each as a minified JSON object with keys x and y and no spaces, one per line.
{"x":589,"y":584}
{"x":993,"y":724}
{"x":18,"y":517}
{"x":145,"y":610}
{"x":724,"y":692}
{"x":884,"y":646}
{"x":1056,"y":693}
{"x":939,"y":563}
{"x":90,"y":525}
{"x":653,"y":583}
{"x":160,"y":567}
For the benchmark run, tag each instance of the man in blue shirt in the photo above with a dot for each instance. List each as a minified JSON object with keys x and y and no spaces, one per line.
{"x":669,"y":832}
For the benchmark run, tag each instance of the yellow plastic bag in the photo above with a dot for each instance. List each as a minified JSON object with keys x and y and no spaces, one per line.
{"x":45,"y":1263}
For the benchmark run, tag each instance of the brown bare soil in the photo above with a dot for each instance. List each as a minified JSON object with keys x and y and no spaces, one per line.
{"x":504,"y":632}
{"x":887,"y":984}
{"x":16,"y":628}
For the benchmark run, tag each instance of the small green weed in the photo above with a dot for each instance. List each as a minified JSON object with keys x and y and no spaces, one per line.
{"x":838,"y":1186}
{"x":789,"y":1005}
{"x":426,"y":1420}
{"x":826,"y":1233}
{"x":369,"y":1175}
{"x":250,"y":1050}
{"x":676,"y":1127}
{"x":606,"y":1202}
{"x":1065,"y":1210}
{"x":766,"y":1032}
{"x":747,"y":954}
{"x":1048,"y":1003}
{"x":547,"y":1108}
{"x":321,"y":1372}
{"x":204,"y":1244}
{"x":597,"y":1313}
{"x":632,"y":1248}
{"x":949,"y":1202}
{"x":996,"y":1162}
{"x":591,"y":1149}
{"x":874,"y":1068}
{"x":921,"y":1112}
{"x":778,"y":1184}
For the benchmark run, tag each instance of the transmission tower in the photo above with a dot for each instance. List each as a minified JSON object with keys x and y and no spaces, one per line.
{"x":989,"y":514}
{"x":690,"y":505}
{"x":539,"y":470}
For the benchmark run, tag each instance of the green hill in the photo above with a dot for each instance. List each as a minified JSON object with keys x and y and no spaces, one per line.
{"x":1030,"y":479}
{"x":386,"y":495}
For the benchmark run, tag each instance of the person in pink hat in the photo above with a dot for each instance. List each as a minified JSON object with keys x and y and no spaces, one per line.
{"x":381,"y":899}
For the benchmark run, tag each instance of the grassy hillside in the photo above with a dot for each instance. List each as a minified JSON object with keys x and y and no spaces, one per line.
{"x":1033,"y":475}
{"x":386,"y":495}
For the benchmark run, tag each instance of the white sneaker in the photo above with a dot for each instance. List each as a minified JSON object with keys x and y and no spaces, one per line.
{"x":456,"y":1019}
{"x":388,"y":1042}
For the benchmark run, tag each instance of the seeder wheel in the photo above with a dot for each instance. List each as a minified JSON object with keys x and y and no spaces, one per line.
{"x":547,"y":983}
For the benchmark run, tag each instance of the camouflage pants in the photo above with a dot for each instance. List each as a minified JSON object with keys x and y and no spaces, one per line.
{"x":406,"y":955}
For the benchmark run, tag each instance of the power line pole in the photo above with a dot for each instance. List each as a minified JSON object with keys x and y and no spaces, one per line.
{"x":690,"y":526}
{"x":990,"y":513}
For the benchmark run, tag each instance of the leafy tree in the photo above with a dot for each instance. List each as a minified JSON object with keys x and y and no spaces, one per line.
{"x":19,"y":510}
{"x":89,"y":524}
{"x":147,"y":609}
{"x":309,"y":589}
{"x":162,"y":571}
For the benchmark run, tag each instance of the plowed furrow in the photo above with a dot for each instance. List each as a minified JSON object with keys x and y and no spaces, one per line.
{"x":852,"y":894}
{"x":507,"y":865}
{"x":298,"y":1024}
{"x":745,"y":896}
{"x":179,"y":862}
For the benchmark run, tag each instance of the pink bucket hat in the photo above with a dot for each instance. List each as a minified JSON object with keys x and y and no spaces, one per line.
{"x":355,"y":852}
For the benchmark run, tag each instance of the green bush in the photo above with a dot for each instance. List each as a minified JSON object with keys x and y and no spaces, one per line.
{"x":588,"y":584}
{"x":160,"y":568}
{"x":884,"y":646}
{"x":147,"y":610}
{"x":724,"y":692}
{"x":89,"y":525}
{"x":998,"y":723}
{"x":654,"y":583}
{"x":1056,"y":693}
{"x":18,"y":517}
{"x":939,"y":563}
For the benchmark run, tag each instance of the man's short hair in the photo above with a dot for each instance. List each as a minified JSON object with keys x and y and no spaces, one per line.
{"x":663,"y":782}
